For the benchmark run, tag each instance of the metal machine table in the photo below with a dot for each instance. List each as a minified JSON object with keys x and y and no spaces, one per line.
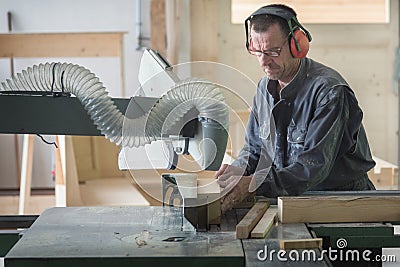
{"x":124,"y":236}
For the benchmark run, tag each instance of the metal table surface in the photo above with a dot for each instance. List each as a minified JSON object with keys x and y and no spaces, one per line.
{"x":123,"y":236}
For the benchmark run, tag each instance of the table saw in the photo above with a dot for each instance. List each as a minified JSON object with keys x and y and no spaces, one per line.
{"x":149,"y":236}
{"x":124,"y":236}
{"x":128,"y":235}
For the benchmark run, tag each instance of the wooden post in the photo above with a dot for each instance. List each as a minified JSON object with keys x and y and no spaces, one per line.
{"x":158,"y":26}
{"x":59,"y":177}
{"x":172,"y":30}
{"x":204,"y":30}
{"x":26,"y":173}
{"x":67,"y":184}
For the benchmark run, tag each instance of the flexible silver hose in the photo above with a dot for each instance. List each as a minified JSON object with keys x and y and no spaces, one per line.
{"x":79,"y":81}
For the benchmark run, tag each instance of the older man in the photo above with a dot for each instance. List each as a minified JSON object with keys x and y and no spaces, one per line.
{"x":305,"y":131}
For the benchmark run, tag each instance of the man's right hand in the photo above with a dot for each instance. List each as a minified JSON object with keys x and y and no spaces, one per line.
{"x":226,"y":171}
{"x":228,"y":177}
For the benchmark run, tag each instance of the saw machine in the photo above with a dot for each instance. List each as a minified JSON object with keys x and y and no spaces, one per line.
{"x":176,"y":234}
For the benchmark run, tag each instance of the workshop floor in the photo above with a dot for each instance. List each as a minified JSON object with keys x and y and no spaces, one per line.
{"x":37,"y":204}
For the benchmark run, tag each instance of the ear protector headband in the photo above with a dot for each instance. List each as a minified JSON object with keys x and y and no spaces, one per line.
{"x":299,"y":37}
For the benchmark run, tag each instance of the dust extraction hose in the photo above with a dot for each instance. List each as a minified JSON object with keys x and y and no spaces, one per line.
{"x":206,"y":97}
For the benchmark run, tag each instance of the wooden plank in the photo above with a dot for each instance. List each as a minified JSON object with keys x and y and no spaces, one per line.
{"x":17,"y":159}
{"x":111,"y":191}
{"x":247,"y":224}
{"x":67,"y":190}
{"x":59,"y":175}
{"x":301,"y":243}
{"x":187,"y":184}
{"x":204,"y":33}
{"x":330,"y":209}
{"x":384,"y":175}
{"x":37,"y":204}
{"x":265,"y":224}
{"x":26,"y":173}
{"x":312,"y":11}
{"x":172,"y":11}
{"x":96,"y":157}
{"x":237,"y":129}
{"x":158,"y":26}
{"x":209,"y":190}
{"x":100,"y":44}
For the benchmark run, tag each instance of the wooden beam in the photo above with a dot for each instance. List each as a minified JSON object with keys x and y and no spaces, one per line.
{"x":329,"y":209}
{"x":312,"y":11}
{"x":67,"y":185}
{"x":26,"y":173}
{"x":158,"y":26}
{"x":172,"y":10}
{"x":301,"y":243}
{"x":247,"y":224}
{"x":58,"y":173}
{"x":204,"y":32}
{"x":265,"y":224}
{"x":100,"y":44}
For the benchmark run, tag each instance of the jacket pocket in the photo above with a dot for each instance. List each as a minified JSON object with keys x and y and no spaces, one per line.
{"x":295,"y":139}
{"x":296,"y":135}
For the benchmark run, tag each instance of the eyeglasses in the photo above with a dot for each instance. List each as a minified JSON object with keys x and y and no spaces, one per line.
{"x":272,"y":52}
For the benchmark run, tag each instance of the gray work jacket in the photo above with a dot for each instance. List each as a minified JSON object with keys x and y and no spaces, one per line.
{"x":310,"y":137}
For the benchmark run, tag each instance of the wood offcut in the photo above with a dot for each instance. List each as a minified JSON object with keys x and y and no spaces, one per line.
{"x":246,"y":225}
{"x":309,"y":243}
{"x":265,"y":224}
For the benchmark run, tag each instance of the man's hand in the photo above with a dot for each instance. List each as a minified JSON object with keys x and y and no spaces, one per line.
{"x":236,"y":191}
{"x":235,"y":186}
{"x":226,"y":171}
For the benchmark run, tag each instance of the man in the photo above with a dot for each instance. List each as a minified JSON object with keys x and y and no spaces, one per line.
{"x":304,"y":132}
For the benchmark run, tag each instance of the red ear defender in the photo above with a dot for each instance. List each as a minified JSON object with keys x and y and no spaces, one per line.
{"x":300,"y":49}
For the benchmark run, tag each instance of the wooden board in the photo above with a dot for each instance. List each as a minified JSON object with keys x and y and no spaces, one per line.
{"x":314,"y":11}
{"x":265,"y":224}
{"x":246,"y":225}
{"x":205,"y":32}
{"x":330,"y":209}
{"x":209,"y":190}
{"x":61,"y":44}
{"x":158,"y":26}
{"x":301,"y":243}
{"x":96,"y":158}
{"x":26,"y":172}
{"x":384,"y":175}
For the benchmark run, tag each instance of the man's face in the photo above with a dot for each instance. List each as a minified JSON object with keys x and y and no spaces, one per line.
{"x":282,"y":67}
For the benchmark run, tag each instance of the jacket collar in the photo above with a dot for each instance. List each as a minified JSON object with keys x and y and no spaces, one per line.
{"x":289,"y":92}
